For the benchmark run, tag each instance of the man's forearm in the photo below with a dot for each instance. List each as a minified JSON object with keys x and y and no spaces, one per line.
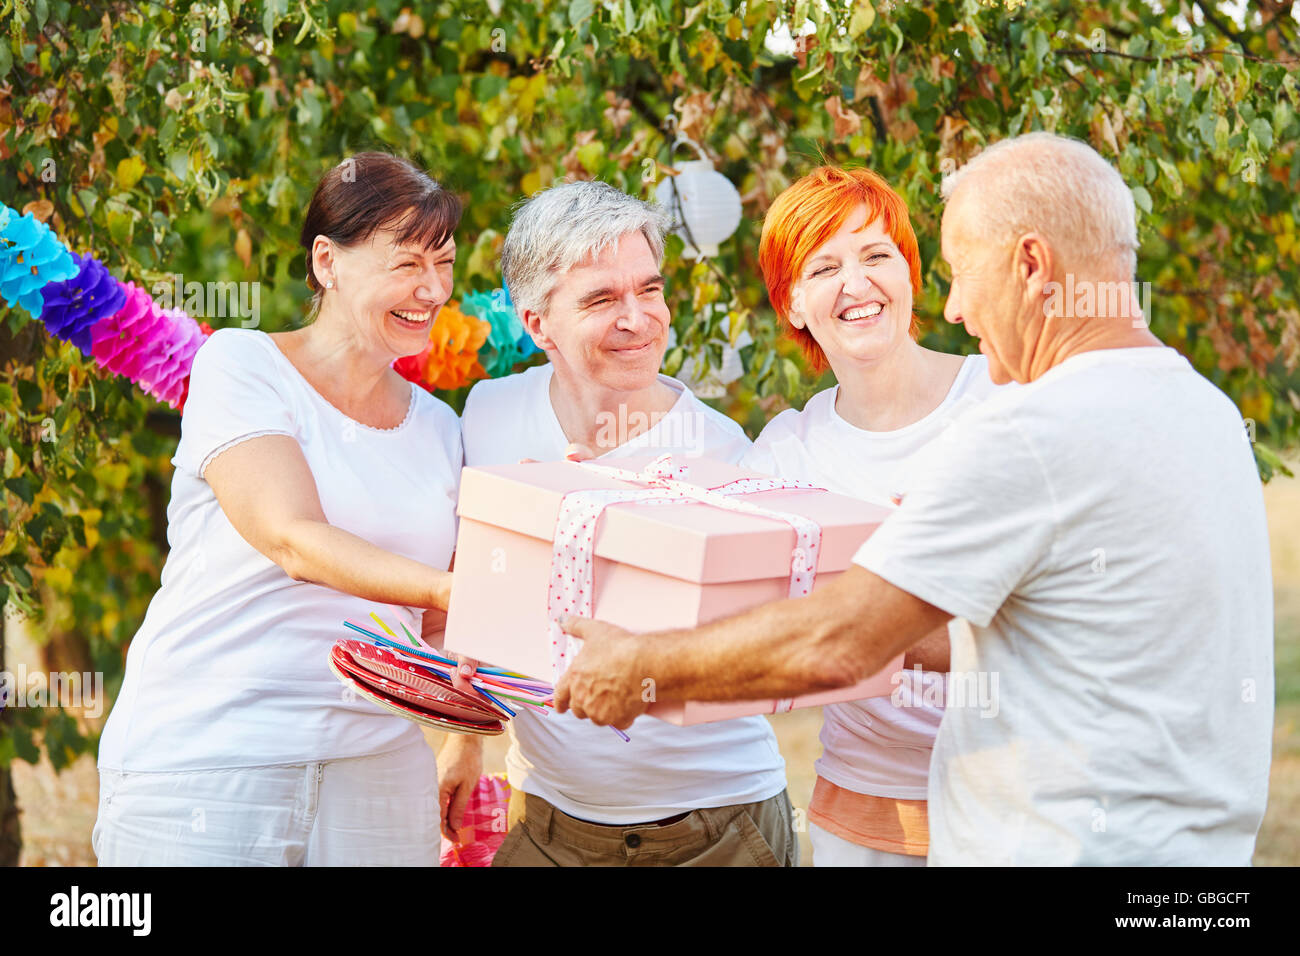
{"x":930,"y":653}
{"x":841,"y":634}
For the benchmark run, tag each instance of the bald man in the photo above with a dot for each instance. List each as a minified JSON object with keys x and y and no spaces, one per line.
{"x":1099,"y":534}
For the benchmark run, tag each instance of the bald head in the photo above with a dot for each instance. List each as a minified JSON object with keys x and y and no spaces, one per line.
{"x":1057,"y":187}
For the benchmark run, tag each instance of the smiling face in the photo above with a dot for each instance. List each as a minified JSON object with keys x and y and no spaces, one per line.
{"x":854,"y":293}
{"x":606,"y":321}
{"x":390,"y":292}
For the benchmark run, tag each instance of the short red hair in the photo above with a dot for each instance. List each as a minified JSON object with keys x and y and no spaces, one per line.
{"x":807,"y":215}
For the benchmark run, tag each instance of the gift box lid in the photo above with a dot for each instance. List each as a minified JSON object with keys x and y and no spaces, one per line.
{"x":691,"y":542}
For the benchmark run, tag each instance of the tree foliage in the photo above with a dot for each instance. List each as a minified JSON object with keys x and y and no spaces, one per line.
{"x":186,"y":138}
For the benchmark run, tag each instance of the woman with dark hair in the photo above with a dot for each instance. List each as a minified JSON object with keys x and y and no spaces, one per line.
{"x":312,"y":482}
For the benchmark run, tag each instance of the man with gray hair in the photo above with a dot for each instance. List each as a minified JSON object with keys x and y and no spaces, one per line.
{"x":1099,"y":534}
{"x":581,"y":262}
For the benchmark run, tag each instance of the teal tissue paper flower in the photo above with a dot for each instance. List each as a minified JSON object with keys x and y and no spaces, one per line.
{"x":507,"y":343}
{"x":31,"y":257}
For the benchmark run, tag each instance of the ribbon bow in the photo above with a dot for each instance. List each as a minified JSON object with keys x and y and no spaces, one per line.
{"x":572,"y":552}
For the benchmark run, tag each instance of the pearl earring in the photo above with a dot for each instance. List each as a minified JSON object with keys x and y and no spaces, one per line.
{"x":329,"y":284}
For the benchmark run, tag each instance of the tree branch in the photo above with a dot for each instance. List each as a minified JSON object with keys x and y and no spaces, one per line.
{"x":1211,"y":15}
{"x":1203,"y":55}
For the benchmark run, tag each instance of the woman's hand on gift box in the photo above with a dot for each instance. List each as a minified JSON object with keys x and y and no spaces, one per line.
{"x":603,"y":683}
{"x":573,"y":452}
{"x":578,"y":452}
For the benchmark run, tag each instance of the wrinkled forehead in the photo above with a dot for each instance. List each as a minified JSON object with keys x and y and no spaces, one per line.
{"x":625,"y":264}
{"x":956,"y":234}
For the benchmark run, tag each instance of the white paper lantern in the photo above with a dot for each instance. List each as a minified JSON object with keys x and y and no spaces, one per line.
{"x":705,"y":209}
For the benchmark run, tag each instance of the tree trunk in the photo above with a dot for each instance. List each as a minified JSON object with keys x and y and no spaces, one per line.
{"x":11,"y":836}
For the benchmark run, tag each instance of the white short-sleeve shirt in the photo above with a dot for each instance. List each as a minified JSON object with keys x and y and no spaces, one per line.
{"x":585,"y":770}
{"x":229,"y":668}
{"x":1103,"y":531}
{"x":880,"y":746}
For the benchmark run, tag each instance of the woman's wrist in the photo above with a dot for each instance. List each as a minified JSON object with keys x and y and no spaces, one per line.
{"x":440,"y":590}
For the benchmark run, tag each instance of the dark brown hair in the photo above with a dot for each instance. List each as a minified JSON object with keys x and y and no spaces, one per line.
{"x":374,"y":190}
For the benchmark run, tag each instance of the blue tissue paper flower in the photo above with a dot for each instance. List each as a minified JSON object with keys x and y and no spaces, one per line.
{"x":74,"y":306}
{"x":507,"y":343}
{"x":31,"y":257}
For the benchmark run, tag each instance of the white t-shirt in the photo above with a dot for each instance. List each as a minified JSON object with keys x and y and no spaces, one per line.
{"x":880,"y":746}
{"x":585,"y":770}
{"x":1103,"y":530}
{"x":230,"y":667}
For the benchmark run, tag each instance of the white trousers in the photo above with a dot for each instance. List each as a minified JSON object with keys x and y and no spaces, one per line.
{"x":379,"y":810}
{"x":832,"y":850}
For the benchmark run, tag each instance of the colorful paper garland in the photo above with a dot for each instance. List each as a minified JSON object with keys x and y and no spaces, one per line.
{"x":127,"y":333}
{"x":116,"y":324}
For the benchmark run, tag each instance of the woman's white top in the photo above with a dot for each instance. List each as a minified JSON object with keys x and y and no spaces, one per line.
{"x":230,"y":667}
{"x":880,"y":746}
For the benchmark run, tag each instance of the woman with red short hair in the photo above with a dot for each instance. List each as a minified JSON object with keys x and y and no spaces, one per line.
{"x":841,"y":265}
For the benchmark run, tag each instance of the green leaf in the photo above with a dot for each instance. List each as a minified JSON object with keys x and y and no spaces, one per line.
{"x":21,"y":575}
{"x":673,"y":360}
{"x":580,"y":11}
{"x":24,"y":749}
{"x":1038,"y":46}
{"x":179,"y":164}
{"x":488,"y":87}
{"x":864,"y":14}
{"x":89,"y":199}
{"x":273,"y":14}
{"x":21,"y":487}
{"x":1205,"y":125}
{"x":6,"y":57}
{"x":1142,"y":199}
{"x":1263,"y":131}
{"x":1171,"y":175}
{"x":30,"y":395}
{"x":1221,"y":134}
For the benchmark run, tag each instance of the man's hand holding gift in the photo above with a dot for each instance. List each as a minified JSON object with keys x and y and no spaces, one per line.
{"x":604,"y":684}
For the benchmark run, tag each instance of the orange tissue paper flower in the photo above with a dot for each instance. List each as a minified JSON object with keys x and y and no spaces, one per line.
{"x":451,"y":359}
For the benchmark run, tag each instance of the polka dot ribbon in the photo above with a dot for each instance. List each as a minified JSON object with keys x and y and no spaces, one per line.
{"x":572,"y":552}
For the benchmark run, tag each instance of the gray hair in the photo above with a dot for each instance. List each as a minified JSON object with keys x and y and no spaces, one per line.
{"x":564,"y":226}
{"x":1057,"y":186}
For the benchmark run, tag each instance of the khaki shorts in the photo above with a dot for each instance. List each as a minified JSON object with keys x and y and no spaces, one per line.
{"x":746,"y":834}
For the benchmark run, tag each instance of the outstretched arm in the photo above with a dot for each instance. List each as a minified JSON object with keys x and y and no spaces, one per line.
{"x":840,"y":634}
{"x":267,"y":491}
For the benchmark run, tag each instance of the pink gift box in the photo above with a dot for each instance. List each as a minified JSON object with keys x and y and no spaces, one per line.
{"x":656,"y":567}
